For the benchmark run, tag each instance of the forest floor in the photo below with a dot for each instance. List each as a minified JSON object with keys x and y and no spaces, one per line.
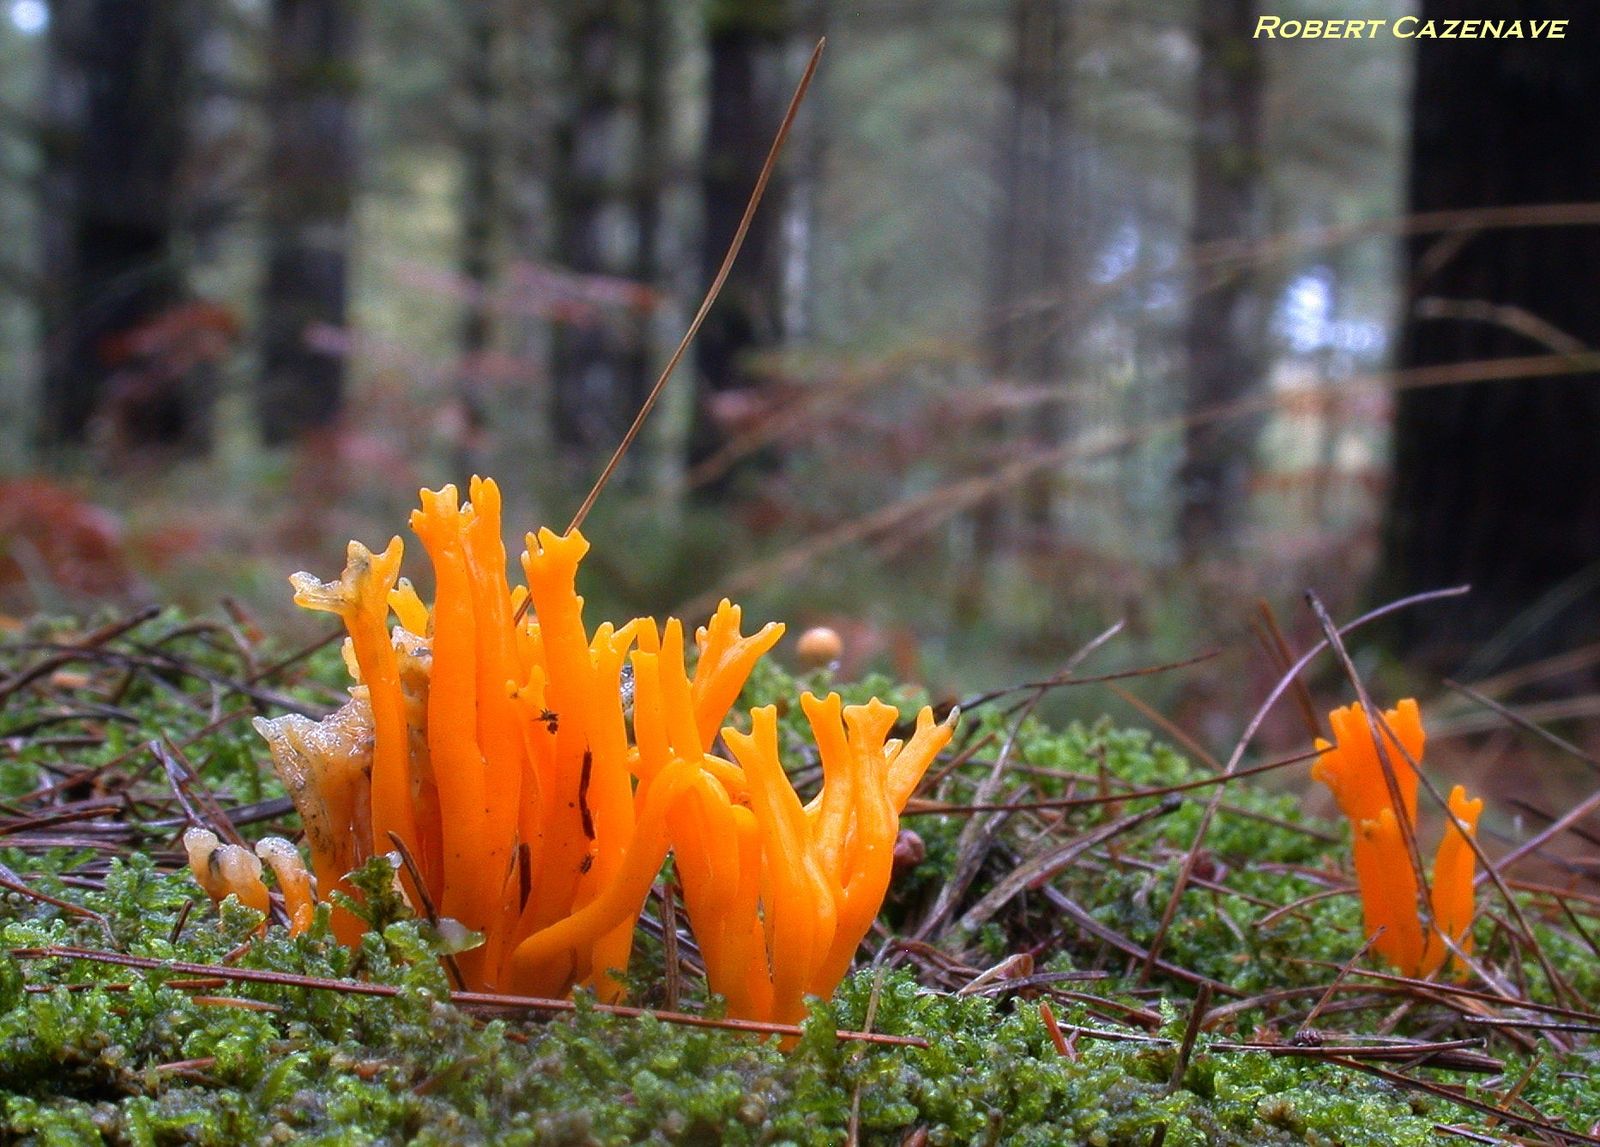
{"x":1025,"y":982}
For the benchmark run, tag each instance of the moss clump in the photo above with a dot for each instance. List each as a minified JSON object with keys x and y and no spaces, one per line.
{"x":127,"y":1058}
{"x":94,"y":1052}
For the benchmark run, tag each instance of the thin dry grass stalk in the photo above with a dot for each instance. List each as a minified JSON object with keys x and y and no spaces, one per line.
{"x":713,"y":291}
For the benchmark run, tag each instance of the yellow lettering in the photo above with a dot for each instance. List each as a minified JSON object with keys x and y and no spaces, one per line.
{"x":1558,"y":29}
{"x":1540,"y":27}
{"x":1268,"y":26}
{"x":1405,"y":27}
{"x":1493,"y":29}
{"x":1313,"y":29}
{"x":1376,"y":26}
{"x":1333,"y":29}
{"x":1428,"y":31}
{"x":1515,"y":30}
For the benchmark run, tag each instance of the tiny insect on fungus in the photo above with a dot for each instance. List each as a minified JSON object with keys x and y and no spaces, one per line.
{"x":544,"y":834}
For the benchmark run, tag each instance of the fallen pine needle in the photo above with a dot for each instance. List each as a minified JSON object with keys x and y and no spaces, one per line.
{"x":489,"y":1000}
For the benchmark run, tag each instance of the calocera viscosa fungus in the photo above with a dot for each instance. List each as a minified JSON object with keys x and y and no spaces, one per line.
{"x":1351,"y":767}
{"x":494,"y":743}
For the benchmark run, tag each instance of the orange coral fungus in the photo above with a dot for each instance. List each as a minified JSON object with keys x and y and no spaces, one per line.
{"x":225,"y":869}
{"x":293,"y":879}
{"x":325,"y":767}
{"x":779,"y":895}
{"x":500,"y":752}
{"x":1352,"y":769}
{"x":823,"y":867}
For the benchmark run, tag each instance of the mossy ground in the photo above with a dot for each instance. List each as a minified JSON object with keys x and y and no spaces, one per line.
{"x":95,"y":1052}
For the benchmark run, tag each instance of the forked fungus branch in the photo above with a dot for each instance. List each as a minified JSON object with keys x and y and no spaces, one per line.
{"x":1351,"y":767}
{"x":538,"y":809}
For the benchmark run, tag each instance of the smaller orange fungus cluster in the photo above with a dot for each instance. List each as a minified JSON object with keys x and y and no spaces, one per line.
{"x":1351,"y":768}
{"x":224,"y":869}
{"x":538,"y":774}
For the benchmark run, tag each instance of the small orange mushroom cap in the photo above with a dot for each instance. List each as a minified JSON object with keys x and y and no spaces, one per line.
{"x":819,"y":647}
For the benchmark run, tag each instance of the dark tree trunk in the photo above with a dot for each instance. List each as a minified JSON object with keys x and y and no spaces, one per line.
{"x":805,"y":154}
{"x":750,"y":85}
{"x":480,"y":214}
{"x":651,"y":179}
{"x":117,"y":98}
{"x":1498,"y":483}
{"x":1227,"y":313}
{"x":598,"y":375}
{"x":534,"y":76}
{"x":666,"y":208}
{"x":1030,"y":284}
{"x":311,"y":178}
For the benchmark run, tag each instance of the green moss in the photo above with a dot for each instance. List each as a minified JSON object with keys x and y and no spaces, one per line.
{"x":82,"y":1065}
{"x":96,"y":1053}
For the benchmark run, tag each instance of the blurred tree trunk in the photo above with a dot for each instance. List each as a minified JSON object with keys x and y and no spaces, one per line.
{"x":532,"y":81}
{"x":806,"y":151}
{"x":666,"y":204}
{"x":1030,"y":285}
{"x":750,"y":44}
{"x":310,"y":192}
{"x":115,"y":108}
{"x":597,"y":374}
{"x":480,"y":214}
{"x":652,"y":179}
{"x":1227,"y":315}
{"x":1498,"y":483}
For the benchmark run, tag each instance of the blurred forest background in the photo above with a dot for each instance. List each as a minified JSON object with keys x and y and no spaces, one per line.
{"x":1057,"y":313}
